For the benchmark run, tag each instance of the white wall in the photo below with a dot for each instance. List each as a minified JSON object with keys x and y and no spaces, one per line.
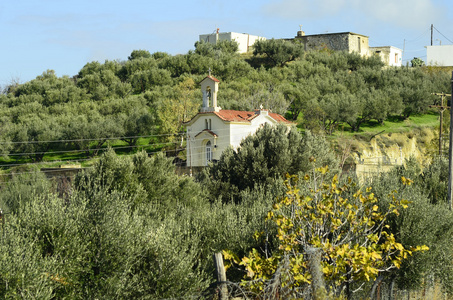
{"x":241,"y":130}
{"x":196,"y":155}
{"x":228,"y":133}
{"x":244,"y":40}
{"x":439,"y":55}
{"x":396,"y":57}
{"x":390,"y":55}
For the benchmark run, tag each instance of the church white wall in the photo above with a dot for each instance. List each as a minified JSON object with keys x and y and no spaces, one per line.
{"x":228,"y":133}
{"x":241,"y":131}
{"x":196,"y":150}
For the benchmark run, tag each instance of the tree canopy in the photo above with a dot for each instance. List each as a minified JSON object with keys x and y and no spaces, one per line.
{"x":131,"y":228}
{"x":264,"y":157}
{"x":341,"y":222}
{"x":320,"y":90}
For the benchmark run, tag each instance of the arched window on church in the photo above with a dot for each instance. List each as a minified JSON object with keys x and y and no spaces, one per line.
{"x":208,"y":152}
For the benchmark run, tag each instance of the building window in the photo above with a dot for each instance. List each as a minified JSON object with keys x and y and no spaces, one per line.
{"x":396,"y":58}
{"x":208,"y":152}
{"x":206,"y":124}
{"x":210,"y":123}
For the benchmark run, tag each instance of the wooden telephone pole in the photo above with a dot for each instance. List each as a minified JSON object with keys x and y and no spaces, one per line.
{"x":441,"y":108}
{"x":450,"y":154}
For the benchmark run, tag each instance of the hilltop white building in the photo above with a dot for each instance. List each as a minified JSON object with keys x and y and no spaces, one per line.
{"x":439,"y":55}
{"x":391,"y":56}
{"x":244,"y":40}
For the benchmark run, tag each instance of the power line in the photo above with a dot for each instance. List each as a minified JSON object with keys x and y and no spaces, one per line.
{"x":221,"y":144}
{"x":100,"y":139}
{"x":94,"y":139}
{"x":416,"y":50}
{"x":195,"y":148}
{"x":45,"y":162}
{"x":419,"y":37}
{"x":84,"y":150}
{"x":443,"y":35}
{"x":73,"y":160}
{"x":7,"y":183}
{"x":182,"y":134}
{"x":56,"y":170}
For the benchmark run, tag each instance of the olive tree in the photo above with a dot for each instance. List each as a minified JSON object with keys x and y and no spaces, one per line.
{"x":265,"y":157}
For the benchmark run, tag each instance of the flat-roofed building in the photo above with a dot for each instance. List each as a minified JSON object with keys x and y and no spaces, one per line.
{"x":439,"y":55}
{"x":245,"y":41}
{"x":390,"y":55}
{"x":341,"y":41}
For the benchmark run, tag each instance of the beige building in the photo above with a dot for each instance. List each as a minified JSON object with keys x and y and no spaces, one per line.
{"x":350,"y":42}
{"x":342,"y":41}
{"x":213,"y":130}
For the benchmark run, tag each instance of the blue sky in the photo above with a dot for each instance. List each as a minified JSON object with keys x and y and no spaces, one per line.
{"x":36,"y":35}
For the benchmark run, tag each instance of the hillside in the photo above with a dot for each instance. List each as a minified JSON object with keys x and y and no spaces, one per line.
{"x":141,"y":103}
{"x":129,"y":227}
{"x":380,"y":147}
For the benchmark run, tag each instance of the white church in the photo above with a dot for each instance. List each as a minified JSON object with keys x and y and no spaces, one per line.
{"x":213,"y":130}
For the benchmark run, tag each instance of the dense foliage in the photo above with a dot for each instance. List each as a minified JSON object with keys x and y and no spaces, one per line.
{"x":342,"y":222}
{"x":129,"y":227}
{"x":152,"y":94}
{"x":263,"y":159}
{"x":427,"y":220}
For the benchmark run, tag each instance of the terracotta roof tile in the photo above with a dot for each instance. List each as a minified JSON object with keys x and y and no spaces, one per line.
{"x":245,"y":116}
{"x":235,"y":115}
{"x":279,"y":118}
{"x":212,"y":78}
{"x":239,"y":116}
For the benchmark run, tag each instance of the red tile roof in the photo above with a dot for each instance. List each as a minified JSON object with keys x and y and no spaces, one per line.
{"x":279,"y":118}
{"x":245,"y":116}
{"x":235,"y":115}
{"x":211,"y":77}
{"x":239,"y":116}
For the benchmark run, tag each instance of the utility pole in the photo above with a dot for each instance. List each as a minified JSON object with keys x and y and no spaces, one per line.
{"x":450,"y":154}
{"x":441,"y":108}
{"x":432,"y":27}
{"x":404,"y":48}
